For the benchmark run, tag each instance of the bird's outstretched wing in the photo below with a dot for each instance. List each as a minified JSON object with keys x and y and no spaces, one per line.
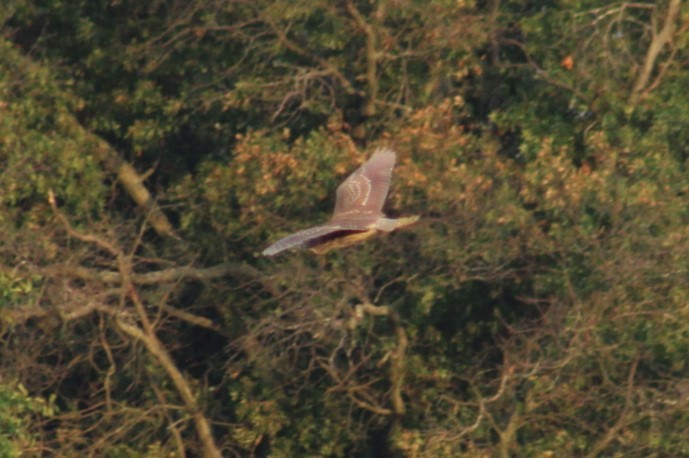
{"x":302,"y":238}
{"x":364,"y":191}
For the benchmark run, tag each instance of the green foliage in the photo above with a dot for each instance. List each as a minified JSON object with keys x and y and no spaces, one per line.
{"x":42,"y":148}
{"x":17,"y":410}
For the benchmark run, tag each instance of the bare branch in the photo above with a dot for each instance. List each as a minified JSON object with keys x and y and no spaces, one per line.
{"x":150,"y":278}
{"x":397,"y":363}
{"x":295,"y":48}
{"x":156,"y":348}
{"x":657,"y":44}
{"x":130,"y":180}
{"x":87,"y":238}
{"x":609,"y":436}
{"x":145,"y":333}
{"x":372,"y":54}
{"x":195,"y":320}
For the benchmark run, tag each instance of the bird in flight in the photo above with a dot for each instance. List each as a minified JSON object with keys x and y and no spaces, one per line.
{"x":358,"y":213}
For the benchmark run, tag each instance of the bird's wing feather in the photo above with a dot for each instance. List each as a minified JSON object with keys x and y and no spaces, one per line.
{"x":301,"y":238}
{"x":365,"y":190}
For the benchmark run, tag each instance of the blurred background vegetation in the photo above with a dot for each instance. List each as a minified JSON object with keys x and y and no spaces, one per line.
{"x":151,"y":150}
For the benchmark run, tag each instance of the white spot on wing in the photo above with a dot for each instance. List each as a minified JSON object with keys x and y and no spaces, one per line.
{"x":368,"y":190}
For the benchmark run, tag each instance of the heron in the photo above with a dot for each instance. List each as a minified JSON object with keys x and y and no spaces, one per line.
{"x":358,"y":213}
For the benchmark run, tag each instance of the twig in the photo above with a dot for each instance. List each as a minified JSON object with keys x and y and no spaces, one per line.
{"x":88,"y":238}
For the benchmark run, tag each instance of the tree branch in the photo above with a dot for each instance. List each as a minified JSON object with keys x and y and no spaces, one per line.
{"x":397,"y":363}
{"x":133,"y":184}
{"x":146,"y":332}
{"x":150,"y":278}
{"x":657,"y":44}
{"x":609,"y":436}
{"x":371,"y":57}
{"x":295,"y":48}
{"x":210,"y":449}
